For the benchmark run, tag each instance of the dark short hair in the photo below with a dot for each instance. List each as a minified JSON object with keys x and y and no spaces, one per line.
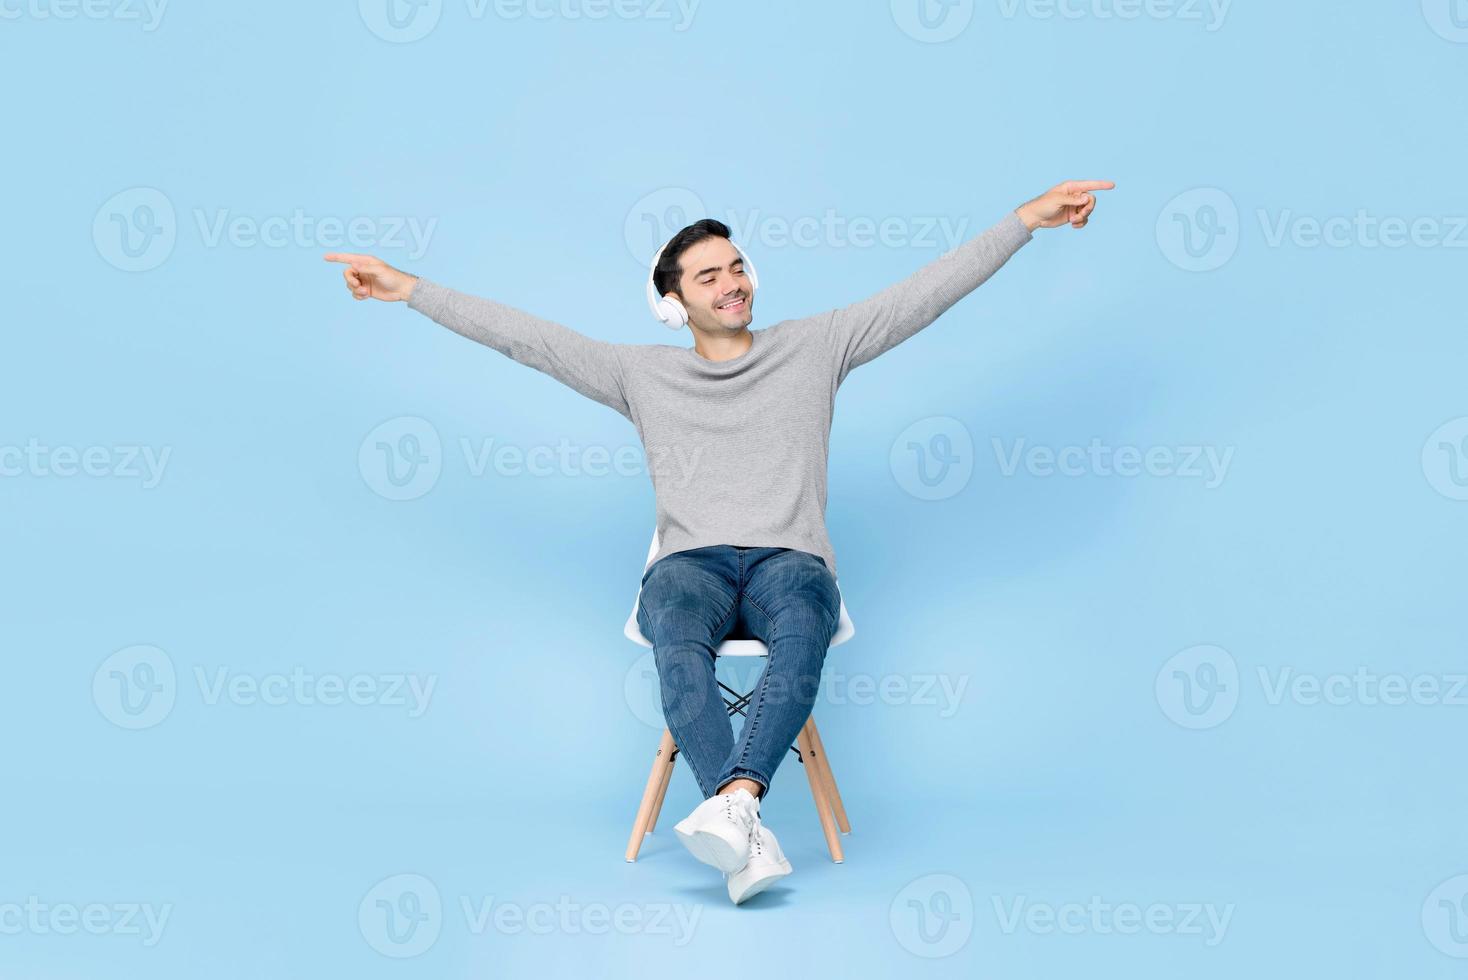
{"x":669,"y":270}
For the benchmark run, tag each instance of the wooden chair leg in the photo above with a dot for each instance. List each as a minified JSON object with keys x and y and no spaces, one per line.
{"x":811,"y":758}
{"x":657,"y":808}
{"x":660,"y":763}
{"x":818,"y":759}
{"x":833,"y":795}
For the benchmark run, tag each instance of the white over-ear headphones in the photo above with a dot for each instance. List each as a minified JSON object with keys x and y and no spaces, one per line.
{"x":667,"y":308}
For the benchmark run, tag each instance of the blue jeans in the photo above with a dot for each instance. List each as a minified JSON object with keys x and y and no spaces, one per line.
{"x":694,"y":600}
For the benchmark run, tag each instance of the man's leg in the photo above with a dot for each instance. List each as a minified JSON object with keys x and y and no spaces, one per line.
{"x":791,"y":603}
{"x":687,"y":606}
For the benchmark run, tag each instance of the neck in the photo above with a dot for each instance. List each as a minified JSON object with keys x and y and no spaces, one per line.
{"x":723,"y":347}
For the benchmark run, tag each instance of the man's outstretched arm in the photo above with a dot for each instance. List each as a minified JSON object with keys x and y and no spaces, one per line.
{"x":588,"y":366}
{"x":865,"y":330}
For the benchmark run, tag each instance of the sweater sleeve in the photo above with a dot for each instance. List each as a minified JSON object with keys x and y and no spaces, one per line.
{"x":862,"y":331}
{"x":592,"y":367}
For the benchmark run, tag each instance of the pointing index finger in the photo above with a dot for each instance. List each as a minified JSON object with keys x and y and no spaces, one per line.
{"x":1078,"y":186}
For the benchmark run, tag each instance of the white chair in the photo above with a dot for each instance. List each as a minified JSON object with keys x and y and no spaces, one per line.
{"x":808,"y":748}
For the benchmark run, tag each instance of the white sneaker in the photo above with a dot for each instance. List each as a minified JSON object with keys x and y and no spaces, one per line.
{"x":719,"y":829}
{"x":766,"y":866}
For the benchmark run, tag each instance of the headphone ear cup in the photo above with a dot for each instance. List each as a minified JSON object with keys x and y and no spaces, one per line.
{"x":671,"y":312}
{"x":667,"y":309}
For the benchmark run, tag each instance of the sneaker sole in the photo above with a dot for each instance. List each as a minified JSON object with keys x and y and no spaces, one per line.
{"x":711,"y":849}
{"x":777,"y":872}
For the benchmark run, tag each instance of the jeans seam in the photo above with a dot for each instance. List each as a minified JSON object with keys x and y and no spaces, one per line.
{"x":773,"y":626}
{"x":752,"y":725}
{"x":722,"y":623}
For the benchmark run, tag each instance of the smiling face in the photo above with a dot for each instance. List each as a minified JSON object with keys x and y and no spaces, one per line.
{"x":715,"y":288}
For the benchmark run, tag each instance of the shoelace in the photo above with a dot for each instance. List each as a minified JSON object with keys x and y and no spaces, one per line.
{"x":754,"y":821}
{"x":755,"y":835}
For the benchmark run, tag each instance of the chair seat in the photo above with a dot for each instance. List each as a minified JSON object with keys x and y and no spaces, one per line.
{"x":729,"y":648}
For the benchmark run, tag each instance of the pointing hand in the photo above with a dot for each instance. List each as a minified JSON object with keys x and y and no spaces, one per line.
{"x":371,"y":278}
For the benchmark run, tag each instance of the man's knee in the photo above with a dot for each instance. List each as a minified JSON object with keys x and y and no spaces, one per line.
{"x":684,"y":681}
{"x":811,"y":604}
{"x":794,"y":675}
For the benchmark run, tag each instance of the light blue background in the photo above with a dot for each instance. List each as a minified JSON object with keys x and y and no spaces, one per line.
{"x":541,"y":148}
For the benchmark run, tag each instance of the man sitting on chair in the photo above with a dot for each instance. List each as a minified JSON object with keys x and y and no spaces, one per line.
{"x":743,"y":549}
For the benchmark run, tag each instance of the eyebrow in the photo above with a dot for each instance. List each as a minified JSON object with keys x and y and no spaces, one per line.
{"x":738,"y":260}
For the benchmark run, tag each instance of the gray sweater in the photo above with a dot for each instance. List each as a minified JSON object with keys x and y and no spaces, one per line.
{"x":737,"y":449}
